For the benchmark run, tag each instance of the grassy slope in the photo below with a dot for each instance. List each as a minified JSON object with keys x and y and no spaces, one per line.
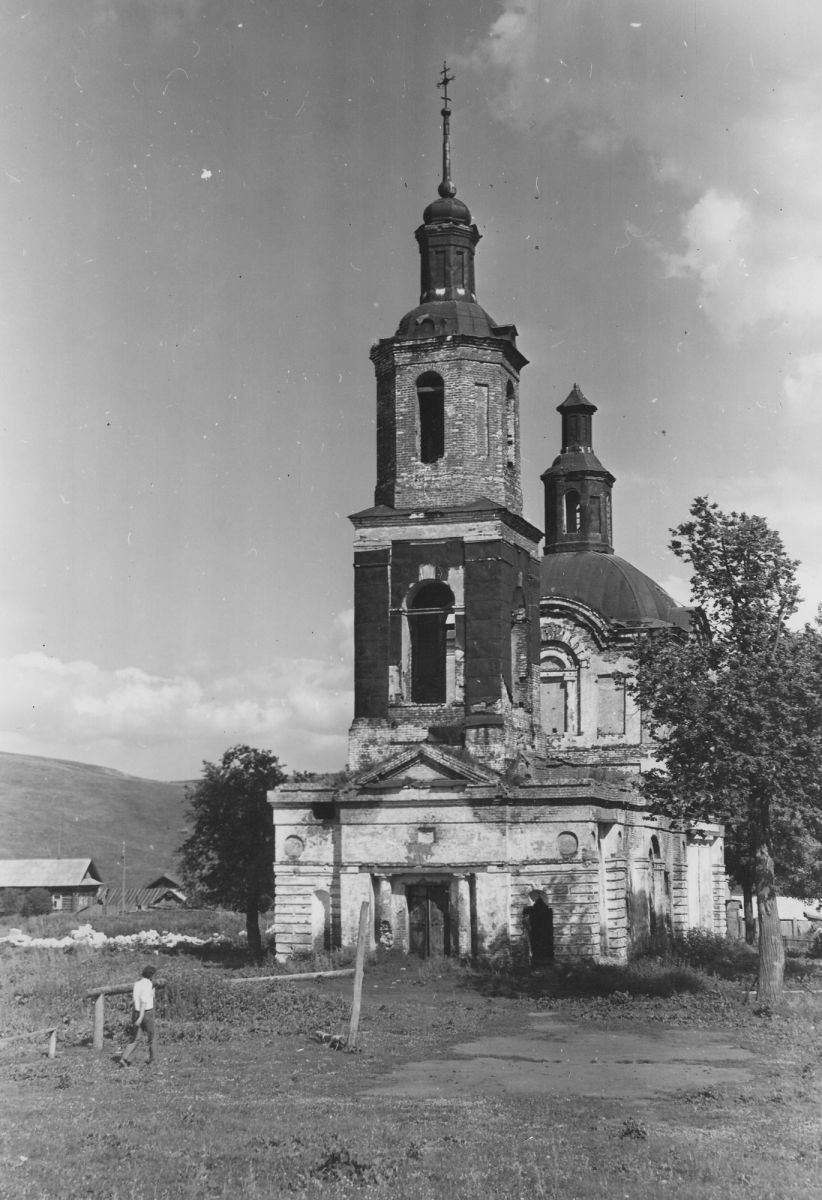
{"x":48,"y":805}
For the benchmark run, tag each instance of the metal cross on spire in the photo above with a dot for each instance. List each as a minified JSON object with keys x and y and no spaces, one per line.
{"x":446,"y":187}
{"x":444,"y":80}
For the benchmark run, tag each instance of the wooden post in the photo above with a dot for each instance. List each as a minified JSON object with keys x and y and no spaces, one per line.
{"x":53,"y":1043}
{"x":362,"y":938}
{"x":99,"y":1014}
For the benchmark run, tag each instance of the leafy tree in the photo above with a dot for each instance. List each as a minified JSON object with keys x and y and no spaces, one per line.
{"x":36,"y":902}
{"x":737,"y":715}
{"x":228,"y":856}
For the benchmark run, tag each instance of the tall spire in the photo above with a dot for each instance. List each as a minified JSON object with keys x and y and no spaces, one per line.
{"x":446,"y":187}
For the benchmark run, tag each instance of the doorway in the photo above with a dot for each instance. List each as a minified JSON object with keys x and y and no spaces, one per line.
{"x":539,"y":918}
{"x":429,"y":925}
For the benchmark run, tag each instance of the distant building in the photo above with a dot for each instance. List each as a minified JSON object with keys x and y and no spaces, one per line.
{"x":163,"y":892}
{"x":491,"y":802}
{"x":73,"y":883}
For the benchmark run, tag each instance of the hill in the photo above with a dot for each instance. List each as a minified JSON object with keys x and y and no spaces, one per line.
{"x":51,"y":808}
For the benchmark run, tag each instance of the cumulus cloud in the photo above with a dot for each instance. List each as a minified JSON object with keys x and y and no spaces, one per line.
{"x":803,"y":389}
{"x":164,"y":726}
{"x":725,"y":102}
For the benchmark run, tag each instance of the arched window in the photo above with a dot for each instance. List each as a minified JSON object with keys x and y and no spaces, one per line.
{"x":428,"y":616}
{"x":559,"y":691}
{"x":431,"y":399}
{"x":572,"y":512}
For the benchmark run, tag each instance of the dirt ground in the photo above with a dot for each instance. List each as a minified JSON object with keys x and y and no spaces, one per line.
{"x":554,"y":1057}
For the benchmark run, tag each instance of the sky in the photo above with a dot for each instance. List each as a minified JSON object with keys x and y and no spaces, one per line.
{"x":208,"y":209}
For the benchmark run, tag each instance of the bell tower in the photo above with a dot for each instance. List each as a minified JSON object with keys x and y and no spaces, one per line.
{"x":446,"y":571}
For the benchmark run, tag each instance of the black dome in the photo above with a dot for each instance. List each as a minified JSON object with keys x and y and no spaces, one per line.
{"x":612,"y":587}
{"x":447,"y":208}
{"x":438,"y":317}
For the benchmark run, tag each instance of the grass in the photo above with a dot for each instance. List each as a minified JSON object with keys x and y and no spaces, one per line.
{"x":76,"y":810}
{"x":243,"y":1103}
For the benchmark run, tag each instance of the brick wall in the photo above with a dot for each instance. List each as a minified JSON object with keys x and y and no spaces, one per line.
{"x":480,"y":421}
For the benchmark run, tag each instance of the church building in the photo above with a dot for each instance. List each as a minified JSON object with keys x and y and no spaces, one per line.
{"x":489,"y":806}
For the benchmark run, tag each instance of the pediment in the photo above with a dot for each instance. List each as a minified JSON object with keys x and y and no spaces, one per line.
{"x":425,"y":766}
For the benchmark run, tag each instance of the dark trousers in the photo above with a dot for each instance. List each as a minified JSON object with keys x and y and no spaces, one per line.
{"x":147,"y":1026}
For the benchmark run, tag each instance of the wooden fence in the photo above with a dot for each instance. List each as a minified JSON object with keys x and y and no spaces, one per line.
{"x":98,"y":995}
{"x":49,"y":1032}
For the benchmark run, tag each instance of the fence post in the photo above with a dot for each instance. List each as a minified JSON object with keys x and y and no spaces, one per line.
{"x":362,"y":938}
{"x":99,"y":1014}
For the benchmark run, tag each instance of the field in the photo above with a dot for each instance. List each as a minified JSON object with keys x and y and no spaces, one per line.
{"x":658,"y":1079}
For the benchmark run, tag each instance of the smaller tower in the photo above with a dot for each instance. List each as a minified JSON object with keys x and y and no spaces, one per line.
{"x":577,"y":486}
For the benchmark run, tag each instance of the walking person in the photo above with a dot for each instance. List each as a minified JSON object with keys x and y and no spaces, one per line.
{"x":142,"y":1017}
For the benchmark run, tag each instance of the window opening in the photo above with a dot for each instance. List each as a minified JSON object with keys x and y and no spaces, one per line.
{"x":431,"y":399}
{"x":510,"y":426}
{"x":428,"y":621}
{"x":481,"y":406}
{"x":572,"y":512}
{"x":559,"y":692}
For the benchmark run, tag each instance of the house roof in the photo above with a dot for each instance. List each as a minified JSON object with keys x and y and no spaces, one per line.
{"x":165,"y":881}
{"x":140,"y":897}
{"x":48,"y":872}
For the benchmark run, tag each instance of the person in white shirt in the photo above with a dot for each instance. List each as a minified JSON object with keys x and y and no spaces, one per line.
{"x":142,"y":1017}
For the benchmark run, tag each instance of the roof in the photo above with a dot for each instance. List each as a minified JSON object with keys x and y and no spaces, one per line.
{"x":611,"y":587}
{"x":438,"y":317}
{"x":140,"y":897}
{"x":48,"y":872}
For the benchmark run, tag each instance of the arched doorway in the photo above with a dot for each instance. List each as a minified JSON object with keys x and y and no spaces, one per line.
{"x":539,"y":924}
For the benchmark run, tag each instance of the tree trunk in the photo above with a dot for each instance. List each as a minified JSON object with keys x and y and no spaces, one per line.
{"x":748,"y":913}
{"x":252,"y":928}
{"x":771,"y":946}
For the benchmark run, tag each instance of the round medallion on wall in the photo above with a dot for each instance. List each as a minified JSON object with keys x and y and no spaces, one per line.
{"x":293,"y":846}
{"x":567,"y":844}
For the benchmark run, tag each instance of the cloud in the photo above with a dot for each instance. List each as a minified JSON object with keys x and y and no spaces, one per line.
{"x":164,"y":726}
{"x":725,"y":103}
{"x":803,"y":390}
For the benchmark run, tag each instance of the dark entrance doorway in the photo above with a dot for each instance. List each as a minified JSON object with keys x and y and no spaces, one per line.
{"x":539,"y":918}
{"x":429,"y":926}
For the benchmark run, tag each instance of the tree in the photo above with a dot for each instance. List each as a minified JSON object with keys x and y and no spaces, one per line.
{"x":228,"y":857}
{"x":36,"y":902}
{"x":736,"y":714}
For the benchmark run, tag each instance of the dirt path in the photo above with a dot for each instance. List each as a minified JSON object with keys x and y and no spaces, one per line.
{"x":553,"y":1057}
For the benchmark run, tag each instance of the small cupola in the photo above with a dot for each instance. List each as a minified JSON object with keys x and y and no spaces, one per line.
{"x":577,"y":486}
{"x":447,"y":236}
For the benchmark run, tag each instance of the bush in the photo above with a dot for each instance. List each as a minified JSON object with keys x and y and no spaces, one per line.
{"x":713,"y":954}
{"x":36,"y":903}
